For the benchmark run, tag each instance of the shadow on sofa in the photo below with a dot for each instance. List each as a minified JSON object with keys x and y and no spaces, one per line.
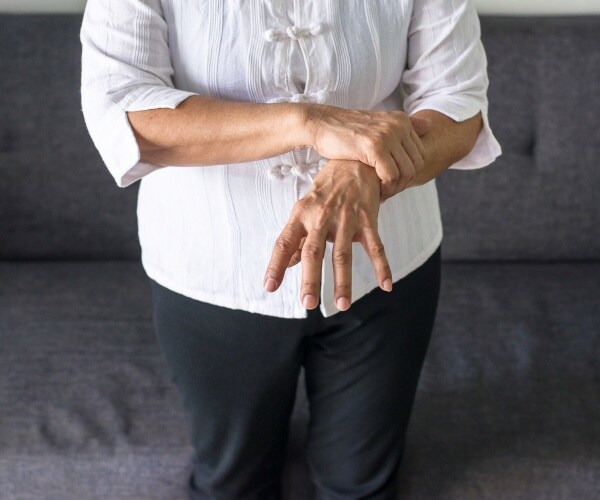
{"x":508,"y":404}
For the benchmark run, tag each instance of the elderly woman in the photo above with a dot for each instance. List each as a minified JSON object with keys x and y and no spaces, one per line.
{"x":272,"y":133}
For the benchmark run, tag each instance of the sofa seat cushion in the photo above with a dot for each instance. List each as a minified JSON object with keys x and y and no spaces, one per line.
{"x":507,"y":405}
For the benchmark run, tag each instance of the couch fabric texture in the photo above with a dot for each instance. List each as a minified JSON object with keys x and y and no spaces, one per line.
{"x":507,"y":405}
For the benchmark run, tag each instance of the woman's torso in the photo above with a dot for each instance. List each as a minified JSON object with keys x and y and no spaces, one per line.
{"x":208,"y":232}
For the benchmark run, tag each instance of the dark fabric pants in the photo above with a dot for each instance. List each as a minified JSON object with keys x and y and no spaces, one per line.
{"x":237,"y":373}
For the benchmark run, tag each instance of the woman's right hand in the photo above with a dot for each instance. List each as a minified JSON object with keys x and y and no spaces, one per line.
{"x":388,"y":141}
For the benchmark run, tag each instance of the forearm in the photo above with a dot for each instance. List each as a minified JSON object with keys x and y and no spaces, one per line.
{"x":446,"y":142}
{"x":206,"y":131}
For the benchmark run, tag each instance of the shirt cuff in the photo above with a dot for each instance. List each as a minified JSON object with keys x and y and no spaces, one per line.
{"x":459,"y":108}
{"x":117,"y":144}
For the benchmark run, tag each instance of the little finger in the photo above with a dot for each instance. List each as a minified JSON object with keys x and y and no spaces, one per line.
{"x":418,"y":142}
{"x":387,"y":169}
{"x":374,"y":248}
{"x":407,"y":169}
{"x":387,"y":190}
{"x":415,"y":155}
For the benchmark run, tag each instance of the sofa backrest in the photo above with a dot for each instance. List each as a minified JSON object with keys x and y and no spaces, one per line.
{"x":537,"y":201}
{"x":57,"y":200}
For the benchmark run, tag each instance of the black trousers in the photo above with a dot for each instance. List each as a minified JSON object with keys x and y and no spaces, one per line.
{"x":237,"y":374}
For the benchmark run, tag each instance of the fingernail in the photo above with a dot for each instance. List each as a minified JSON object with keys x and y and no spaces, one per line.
{"x":342,"y":303}
{"x":270,"y":285}
{"x":387,"y":285}
{"x":309,"y":301}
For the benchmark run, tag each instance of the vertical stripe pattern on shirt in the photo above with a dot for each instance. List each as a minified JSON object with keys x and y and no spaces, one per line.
{"x":207,"y":232}
{"x":215,"y":28}
{"x":340,"y":47}
{"x":374,"y":32}
{"x":263,"y":185}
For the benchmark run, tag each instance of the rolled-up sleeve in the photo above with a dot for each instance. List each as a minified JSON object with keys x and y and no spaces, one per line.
{"x":126,"y":66}
{"x":446,"y":70}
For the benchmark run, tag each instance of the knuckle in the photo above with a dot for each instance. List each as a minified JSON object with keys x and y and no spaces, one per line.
{"x":283,"y":245}
{"x":401,"y":118}
{"x":401,"y":186}
{"x":388,"y":128}
{"x":345,"y":212}
{"x":311,"y":250}
{"x":309,"y":286}
{"x":320,"y":220}
{"x":298,"y":208}
{"x":342,"y":257}
{"x":390,"y":178}
{"x":376,"y":248}
{"x":344,"y":289}
{"x":387,"y":186}
{"x":373,"y":142}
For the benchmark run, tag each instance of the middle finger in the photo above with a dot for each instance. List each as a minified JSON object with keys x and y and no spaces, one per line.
{"x":312,"y":263}
{"x":342,"y":266}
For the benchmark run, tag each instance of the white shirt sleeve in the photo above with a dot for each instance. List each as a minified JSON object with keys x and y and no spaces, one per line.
{"x":447,"y":70}
{"x":126,"y":66}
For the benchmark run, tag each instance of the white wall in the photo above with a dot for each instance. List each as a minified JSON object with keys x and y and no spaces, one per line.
{"x":539,"y":7}
{"x":508,"y":7}
{"x":41,"y":5}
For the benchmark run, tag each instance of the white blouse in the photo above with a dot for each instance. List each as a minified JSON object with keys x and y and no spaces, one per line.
{"x":207,"y":232}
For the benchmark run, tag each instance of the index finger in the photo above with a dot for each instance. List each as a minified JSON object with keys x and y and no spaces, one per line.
{"x":285,"y":246}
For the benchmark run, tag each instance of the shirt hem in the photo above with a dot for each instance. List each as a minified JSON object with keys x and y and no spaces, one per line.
{"x":330,"y":309}
{"x":159,"y":275}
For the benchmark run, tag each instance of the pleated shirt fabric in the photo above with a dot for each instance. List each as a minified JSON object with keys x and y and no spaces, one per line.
{"x":208,"y":232}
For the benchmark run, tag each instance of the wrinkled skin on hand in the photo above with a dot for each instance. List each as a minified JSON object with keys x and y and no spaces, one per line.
{"x":342,"y":207}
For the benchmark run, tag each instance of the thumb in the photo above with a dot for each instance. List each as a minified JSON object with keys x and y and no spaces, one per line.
{"x":421,"y":125}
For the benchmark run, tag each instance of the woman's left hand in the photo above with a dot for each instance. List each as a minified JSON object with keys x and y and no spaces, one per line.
{"x":342,"y":206}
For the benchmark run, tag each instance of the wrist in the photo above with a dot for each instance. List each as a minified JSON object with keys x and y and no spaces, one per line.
{"x":305,"y":119}
{"x":354,"y":168}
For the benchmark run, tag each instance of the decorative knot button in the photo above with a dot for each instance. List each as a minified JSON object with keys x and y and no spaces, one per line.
{"x":293,"y":32}
{"x":283,"y":170}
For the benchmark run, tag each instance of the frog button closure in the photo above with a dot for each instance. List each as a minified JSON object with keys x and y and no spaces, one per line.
{"x":297,"y":34}
{"x":283,"y":170}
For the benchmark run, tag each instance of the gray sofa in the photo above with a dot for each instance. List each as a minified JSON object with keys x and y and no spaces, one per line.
{"x":508,"y":404}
